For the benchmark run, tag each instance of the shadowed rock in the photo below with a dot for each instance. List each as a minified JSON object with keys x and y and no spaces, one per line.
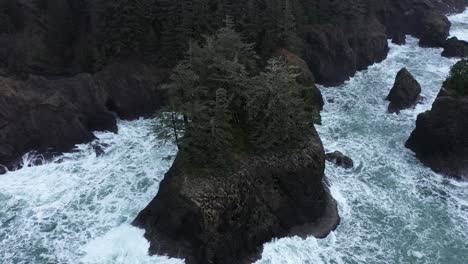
{"x":454,"y":47}
{"x":440,"y":139}
{"x":399,"y":38}
{"x":52,"y":115}
{"x":340,"y":160}
{"x":405,"y":92}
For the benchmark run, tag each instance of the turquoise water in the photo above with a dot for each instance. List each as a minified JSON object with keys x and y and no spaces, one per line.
{"x":394,"y":210}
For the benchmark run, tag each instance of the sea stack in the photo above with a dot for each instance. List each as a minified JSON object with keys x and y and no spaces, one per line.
{"x":225,"y":217}
{"x":405,"y":92}
{"x":440,"y":139}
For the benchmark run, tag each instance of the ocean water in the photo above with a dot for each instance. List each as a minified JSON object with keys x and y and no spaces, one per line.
{"x":78,"y":208}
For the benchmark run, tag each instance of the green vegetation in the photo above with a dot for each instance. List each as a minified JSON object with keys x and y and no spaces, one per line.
{"x":229,"y":106}
{"x":458,"y":79}
{"x":162,"y":29}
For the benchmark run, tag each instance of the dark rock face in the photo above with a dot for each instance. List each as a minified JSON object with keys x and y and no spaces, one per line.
{"x":226,"y":216}
{"x":405,"y":92}
{"x":52,"y":115}
{"x":434,"y":30}
{"x":335,"y":52}
{"x":440,"y":138}
{"x":133,"y":88}
{"x":454,"y":47}
{"x":36,"y":115}
{"x":340,"y":160}
{"x":399,"y":38}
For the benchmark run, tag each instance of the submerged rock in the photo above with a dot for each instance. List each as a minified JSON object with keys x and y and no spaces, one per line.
{"x":454,"y":47}
{"x":405,"y":92}
{"x":340,"y":160}
{"x":225,"y":216}
{"x":440,"y":139}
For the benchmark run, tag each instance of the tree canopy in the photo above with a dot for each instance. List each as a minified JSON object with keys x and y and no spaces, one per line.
{"x":229,"y":106}
{"x":163,"y":28}
{"x":458,"y":79}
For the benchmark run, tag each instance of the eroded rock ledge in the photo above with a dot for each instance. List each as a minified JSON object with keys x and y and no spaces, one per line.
{"x":226,"y":216}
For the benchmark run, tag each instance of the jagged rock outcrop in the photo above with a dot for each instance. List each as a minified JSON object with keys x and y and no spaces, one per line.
{"x":225,"y":216}
{"x":405,"y":92}
{"x":52,"y":115}
{"x":440,"y":138}
{"x":454,"y":47}
{"x":340,"y":159}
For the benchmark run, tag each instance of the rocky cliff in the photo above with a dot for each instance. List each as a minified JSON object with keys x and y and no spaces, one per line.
{"x":335,"y":51}
{"x":440,"y":139}
{"x":225,"y":216}
{"x":53,"y":43}
{"x":52,"y":115}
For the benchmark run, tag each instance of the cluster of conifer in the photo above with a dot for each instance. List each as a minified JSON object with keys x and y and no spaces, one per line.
{"x":458,"y":79}
{"x":162,"y":28}
{"x":228,"y":106}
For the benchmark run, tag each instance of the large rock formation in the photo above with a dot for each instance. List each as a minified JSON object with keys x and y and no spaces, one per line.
{"x":440,"y":139}
{"x":225,"y":216}
{"x":52,"y":115}
{"x":335,"y":51}
{"x":454,"y":47}
{"x":405,"y":92}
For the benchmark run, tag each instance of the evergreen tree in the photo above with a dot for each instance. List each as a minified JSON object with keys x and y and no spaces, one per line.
{"x":125,"y":26}
{"x":276,"y":108}
{"x":458,"y":79}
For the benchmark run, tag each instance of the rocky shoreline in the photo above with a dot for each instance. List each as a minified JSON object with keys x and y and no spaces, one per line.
{"x":131,"y":87}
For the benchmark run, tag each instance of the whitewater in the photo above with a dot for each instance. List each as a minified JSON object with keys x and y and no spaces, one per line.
{"x":78,"y":207}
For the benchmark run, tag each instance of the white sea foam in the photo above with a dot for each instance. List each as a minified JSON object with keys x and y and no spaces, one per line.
{"x":50,"y":213}
{"x":393,"y":209}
